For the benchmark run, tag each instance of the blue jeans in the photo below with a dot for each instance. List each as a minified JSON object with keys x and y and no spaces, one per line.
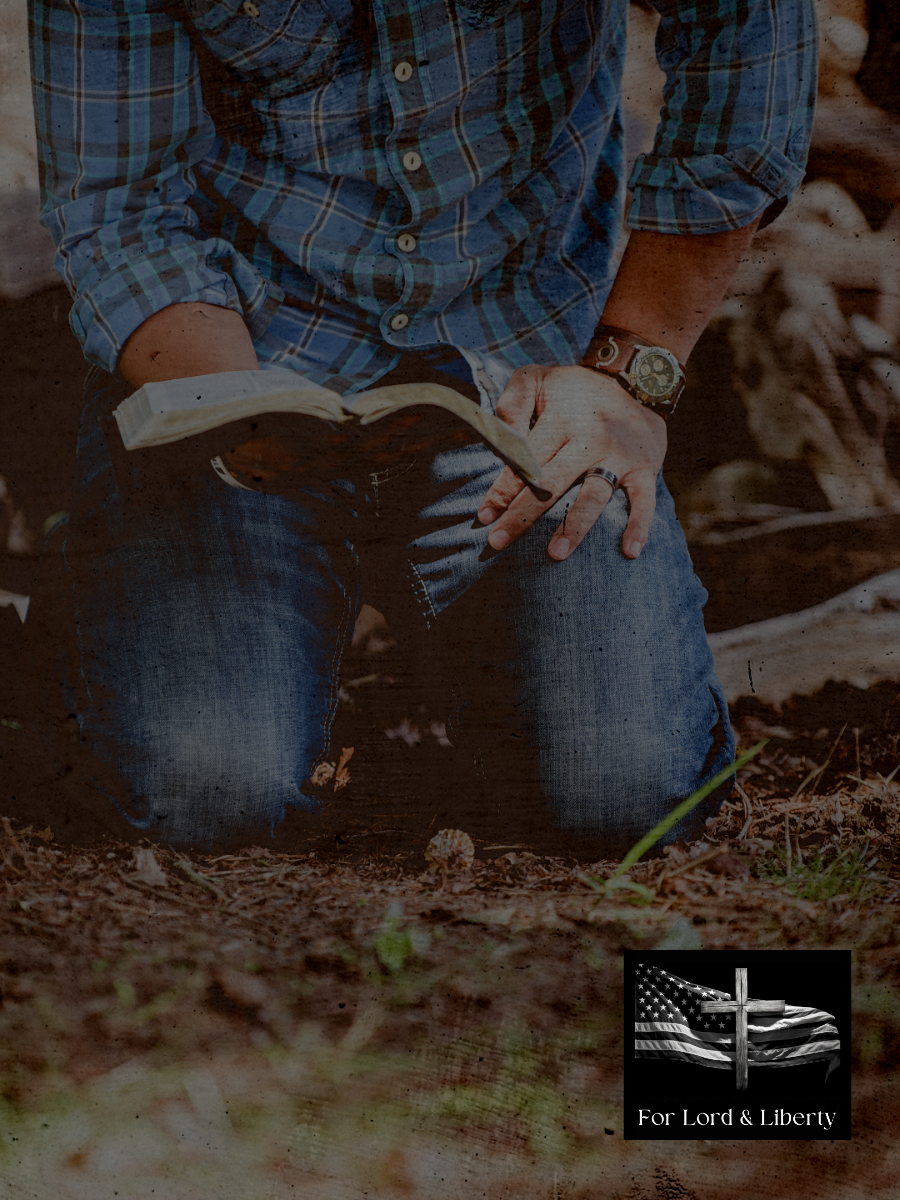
{"x":211,"y":626}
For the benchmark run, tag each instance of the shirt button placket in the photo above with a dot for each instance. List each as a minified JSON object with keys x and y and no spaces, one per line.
{"x":412,"y":161}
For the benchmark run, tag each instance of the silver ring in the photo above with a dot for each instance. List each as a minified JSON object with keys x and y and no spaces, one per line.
{"x":602,"y":473}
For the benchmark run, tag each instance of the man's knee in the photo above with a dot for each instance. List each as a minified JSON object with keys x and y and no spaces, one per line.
{"x":206,"y":786}
{"x":621,"y":779}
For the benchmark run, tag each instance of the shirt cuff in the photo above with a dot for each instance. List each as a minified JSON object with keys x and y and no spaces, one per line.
{"x":122,"y":289}
{"x":712,"y":193}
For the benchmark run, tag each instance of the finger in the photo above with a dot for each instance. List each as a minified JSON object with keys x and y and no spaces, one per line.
{"x":641,"y":489}
{"x":502,"y":492}
{"x":516,"y":405}
{"x":526,"y":508}
{"x":520,"y":515}
{"x":545,"y":445}
{"x":593,"y":496}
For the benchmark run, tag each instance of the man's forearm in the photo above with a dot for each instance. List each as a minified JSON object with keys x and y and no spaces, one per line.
{"x":187,"y":339}
{"x":668,"y":285}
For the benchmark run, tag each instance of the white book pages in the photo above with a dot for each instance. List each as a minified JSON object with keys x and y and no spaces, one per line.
{"x":160,"y":413}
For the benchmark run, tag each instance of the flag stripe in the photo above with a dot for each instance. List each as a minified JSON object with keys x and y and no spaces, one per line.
{"x":671,"y":1023}
{"x":726,"y":1060}
{"x":822,"y":1031}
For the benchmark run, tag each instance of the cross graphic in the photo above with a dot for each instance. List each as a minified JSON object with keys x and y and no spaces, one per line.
{"x":740,"y":1006}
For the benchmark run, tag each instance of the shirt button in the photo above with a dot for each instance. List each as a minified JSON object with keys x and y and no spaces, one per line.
{"x":403,"y":71}
{"x":411,"y":160}
{"x":406,"y":242}
{"x":250,"y":8}
{"x":400,"y":321}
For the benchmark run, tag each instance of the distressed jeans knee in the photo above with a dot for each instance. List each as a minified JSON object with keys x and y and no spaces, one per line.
{"x":608,"y":676}
{"x":210,"y":633}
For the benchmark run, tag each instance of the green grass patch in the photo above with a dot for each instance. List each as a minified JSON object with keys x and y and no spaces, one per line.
{"x":849,"y":873}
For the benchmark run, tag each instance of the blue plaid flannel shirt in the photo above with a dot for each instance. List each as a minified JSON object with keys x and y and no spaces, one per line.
{"x":361,"y":179}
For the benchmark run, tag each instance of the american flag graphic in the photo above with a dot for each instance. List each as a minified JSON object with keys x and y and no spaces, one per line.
{"x":668,"y":1024}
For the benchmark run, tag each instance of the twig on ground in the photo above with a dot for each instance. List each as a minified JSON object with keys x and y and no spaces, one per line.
{"x":748,"y":811}
{"x":819,"y":770}
{"x":167,"y":895}
{"x":180,"y":864}
{"x":699,"y":861}
{"x":16,"y":844}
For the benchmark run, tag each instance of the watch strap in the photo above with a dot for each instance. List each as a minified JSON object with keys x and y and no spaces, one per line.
{"x":612,"y":351}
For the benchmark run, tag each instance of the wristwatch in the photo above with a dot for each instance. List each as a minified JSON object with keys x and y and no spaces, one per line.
{"x":652,"y":374}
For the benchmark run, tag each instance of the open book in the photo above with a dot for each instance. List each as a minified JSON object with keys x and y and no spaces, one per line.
{"x":161,"y":413}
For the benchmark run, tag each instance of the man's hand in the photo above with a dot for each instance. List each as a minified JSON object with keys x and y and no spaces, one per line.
{"x":580,"y":419}
{"x":665,"y":291}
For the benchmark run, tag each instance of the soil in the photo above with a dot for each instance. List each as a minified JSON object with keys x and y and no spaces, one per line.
{"x":344,"y":1021}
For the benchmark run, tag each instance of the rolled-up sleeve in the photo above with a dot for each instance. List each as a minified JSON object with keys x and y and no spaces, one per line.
{"x":120,"y":127}
{"x":739,"y":102}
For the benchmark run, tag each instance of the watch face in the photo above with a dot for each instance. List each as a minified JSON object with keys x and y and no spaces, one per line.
{"x":654,"y":373}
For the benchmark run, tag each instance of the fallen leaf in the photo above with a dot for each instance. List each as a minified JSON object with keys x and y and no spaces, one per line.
{"x":342,"y":775}
{"x":321,"y":775}
{"x":147,"y":868}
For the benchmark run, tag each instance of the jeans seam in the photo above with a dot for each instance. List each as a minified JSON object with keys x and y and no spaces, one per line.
{"x":420,"y":593}
{"x":348,"y":618}
{"x":385,"y":476}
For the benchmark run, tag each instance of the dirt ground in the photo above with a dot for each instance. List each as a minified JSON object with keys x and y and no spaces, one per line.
{"x":346,"y":1022}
